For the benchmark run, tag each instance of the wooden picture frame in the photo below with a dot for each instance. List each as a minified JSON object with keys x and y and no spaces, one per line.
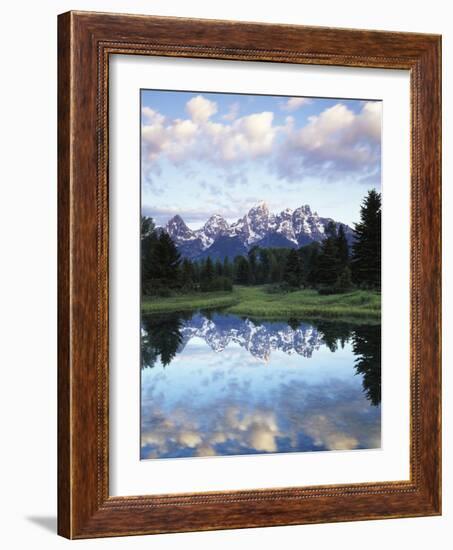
{"x":85,"y":42}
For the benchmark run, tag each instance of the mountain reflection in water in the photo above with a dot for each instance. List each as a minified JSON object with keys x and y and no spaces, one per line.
{"x":216,"y":384}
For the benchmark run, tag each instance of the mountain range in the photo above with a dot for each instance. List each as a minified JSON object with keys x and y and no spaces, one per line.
{"x":259,"y":340}
{"x":259,"y":227}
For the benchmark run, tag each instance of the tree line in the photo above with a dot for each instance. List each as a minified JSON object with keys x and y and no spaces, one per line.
{"x":331,"y":266}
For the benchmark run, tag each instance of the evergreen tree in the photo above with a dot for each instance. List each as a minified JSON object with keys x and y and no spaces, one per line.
{"x":253,"y":264}
{"x":242,"y":270}
{"x":147,"y":227}
{"x":312,"y":275}
{"x":343,"y":248}
{"x":207,"y":274}
{"x":227,"y":268}
{"x":265,"y":265}
{"x":366,"y":249}
{"x":331,"y":231}
{"x":293,"y":269}
{"x":328,"y":264}
{"x":196,"y":272}
{"x":275,"y":270}
{"x":148,"y":241}
{"x":218,"y":268}
{"x":187,"y":274}
{"x":166,"y":260}
{"x":344,"y":280}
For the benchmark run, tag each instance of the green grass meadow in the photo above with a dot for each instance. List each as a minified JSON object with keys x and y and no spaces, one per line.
{"x":189,"y":302}
{"x":257,"y":302}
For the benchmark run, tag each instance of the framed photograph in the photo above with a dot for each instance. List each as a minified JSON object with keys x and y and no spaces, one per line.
{"x":249,"y":275}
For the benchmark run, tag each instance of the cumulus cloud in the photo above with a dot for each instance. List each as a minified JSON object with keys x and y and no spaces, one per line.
{"x":294,"y":103}
{"x":201,"y":109}
{"x":200,"y":138}
{"x":340,"y":125}
{"x":246,"y":138}
{"x":151,"y":116}
{"x":337,"y":141}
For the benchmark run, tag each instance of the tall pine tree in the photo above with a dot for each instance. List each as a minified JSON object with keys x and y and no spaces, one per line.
{"x":366,"y":248}
{"x":342,"y":247}
{"x":328,"y":263}
{"x":218,"y":268}
{"x":313,"y":253}
{"x":166,"y":260}
{"x":292,"y":274}
{"x":187,"y":274}
{"x":253,"y":264}
{"x":148,"y":242}
{"x":242,"y":270}
{"x":207,"y":274}
{"x":265,"y":265}
{"x":227,"y":268}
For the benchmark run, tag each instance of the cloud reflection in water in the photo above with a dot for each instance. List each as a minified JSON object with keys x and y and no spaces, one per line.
{"x":233,"y":387}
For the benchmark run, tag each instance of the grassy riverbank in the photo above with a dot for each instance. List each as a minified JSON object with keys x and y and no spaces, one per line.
{"x":190,"y":302}
{"x":257,"y":302}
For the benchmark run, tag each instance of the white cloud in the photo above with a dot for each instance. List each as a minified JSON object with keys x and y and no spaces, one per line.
{"x":200,"y":138}
{"x":369,"y":120}
{"x":340,"y":129}
{"x":150,"y":116}
{"x":294,"y":103}
{"x":184,"y":129}
{"x":246,"y":138}
{"x":169,"y":138}
{"x":201,"y":109}
{"x":338,"y":140}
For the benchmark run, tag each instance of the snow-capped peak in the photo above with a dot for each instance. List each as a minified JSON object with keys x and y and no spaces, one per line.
{"x":216,"y":221}
{"x":213,"y":228}
{"x":260,"y":208}
{"x":289,"y":228}
{"x":178,"y":230}
{"x":259,"y":340}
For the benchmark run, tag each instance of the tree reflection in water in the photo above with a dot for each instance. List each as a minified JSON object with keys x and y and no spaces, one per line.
{"x":366,"y":344}
{"x":161,"y":338}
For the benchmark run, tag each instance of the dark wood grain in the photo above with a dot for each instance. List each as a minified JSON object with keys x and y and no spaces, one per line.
{"x":64,"y":370}
{"x":85,"y":42}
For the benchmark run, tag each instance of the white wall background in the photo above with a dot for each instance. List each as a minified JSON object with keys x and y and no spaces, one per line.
{"x":28,"y":267}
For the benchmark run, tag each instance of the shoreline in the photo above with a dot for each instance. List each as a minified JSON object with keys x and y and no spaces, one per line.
{"x":357,"y":306}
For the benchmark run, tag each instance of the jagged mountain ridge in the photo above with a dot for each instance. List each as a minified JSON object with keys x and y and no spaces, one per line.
{"x":259,"y":340}
{"x":259,"y":227}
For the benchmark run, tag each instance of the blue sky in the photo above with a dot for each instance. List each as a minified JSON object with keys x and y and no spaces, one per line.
{"x":206,"y":153}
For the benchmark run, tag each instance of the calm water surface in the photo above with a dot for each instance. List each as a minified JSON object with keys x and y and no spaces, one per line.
{"x":216,"y":384}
